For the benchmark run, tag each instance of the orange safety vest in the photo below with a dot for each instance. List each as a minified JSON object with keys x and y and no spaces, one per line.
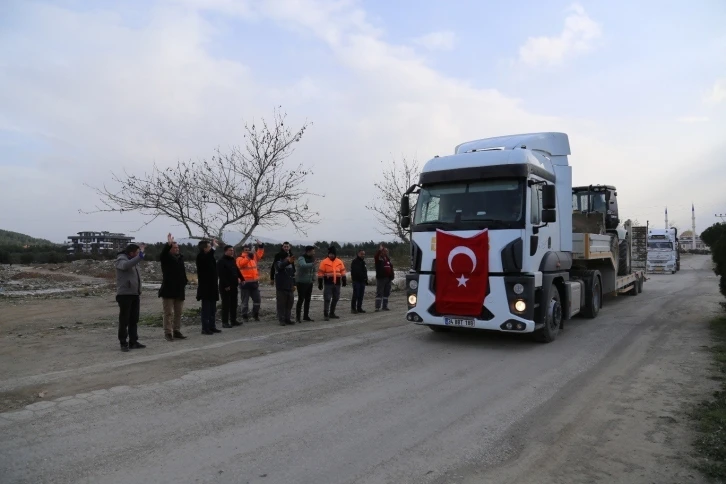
{"x":248,"y":266}
{"x":331,"y":269}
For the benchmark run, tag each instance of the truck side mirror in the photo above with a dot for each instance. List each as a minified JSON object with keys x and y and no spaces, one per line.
{"x":549,"y":216}
{"x":549,"y":197}
{"x":405,"y":222}
{"x":405,"y":207}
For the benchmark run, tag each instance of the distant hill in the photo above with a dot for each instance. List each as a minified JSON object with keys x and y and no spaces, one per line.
{"x":14,"y":238}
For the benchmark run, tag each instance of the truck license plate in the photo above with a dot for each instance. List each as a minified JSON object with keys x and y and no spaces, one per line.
{"x":459,"y":322}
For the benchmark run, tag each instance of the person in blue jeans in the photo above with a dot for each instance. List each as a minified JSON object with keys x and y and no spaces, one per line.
{"x":359,"y":274}
{"x":208,"y":286}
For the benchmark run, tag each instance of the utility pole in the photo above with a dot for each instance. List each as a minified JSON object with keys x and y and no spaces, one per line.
{"x":722,"y":216}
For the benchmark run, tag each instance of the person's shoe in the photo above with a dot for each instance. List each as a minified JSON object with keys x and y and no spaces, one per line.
{"x":256,"y":318}
{"x":309,"y":319}
{"x":386,"y":309}
{"x":290,"y":322}
{"x":361,"y":310}
{"x":168,"y":337}
{"x":326,"y":318}
{"x":204,"y":331}
{"x":236,"y":324}
{"x":283,"y":323}
{"x":377,"y":309}
{"x":334,"y":316}
{"x":227,"y":325}
{"x":215,"y":330}
{"x":124,"y":347}
{"x":136,"y":346}
{"x":354,"y":311}
{"x":178,"y":335}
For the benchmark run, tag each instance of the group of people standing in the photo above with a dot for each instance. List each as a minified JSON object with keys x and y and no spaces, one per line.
{"x":225,"y":278}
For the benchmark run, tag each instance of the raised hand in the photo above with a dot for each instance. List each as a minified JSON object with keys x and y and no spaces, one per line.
{"x":142,"y":247}
{"x":169,"y":238}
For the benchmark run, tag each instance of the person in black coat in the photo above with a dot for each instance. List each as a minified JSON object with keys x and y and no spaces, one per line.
{"x":359,"y":274}
{"x":173,"y":284}
{"x":207,"y":288}
{"x":229,"y":277}
{"x":284,"y":253}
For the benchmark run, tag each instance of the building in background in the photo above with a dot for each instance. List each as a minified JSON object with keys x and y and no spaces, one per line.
{"x":97,"y":242}
{"x":686,"y":241}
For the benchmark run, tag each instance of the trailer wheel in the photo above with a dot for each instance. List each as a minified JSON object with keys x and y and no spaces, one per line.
{"x":552,"y":317}
{"x":593,"y":294}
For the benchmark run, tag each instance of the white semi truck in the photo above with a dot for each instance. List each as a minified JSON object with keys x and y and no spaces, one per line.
{"x":663,"y":251}
{"x":539,"y":272}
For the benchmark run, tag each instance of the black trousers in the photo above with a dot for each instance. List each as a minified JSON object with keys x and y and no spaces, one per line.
{"x":284,"y":305}
{"x":229,"y":305}
{"x":304,"y":295}
{"x":128,"y":318}
{"x":209,"y":314}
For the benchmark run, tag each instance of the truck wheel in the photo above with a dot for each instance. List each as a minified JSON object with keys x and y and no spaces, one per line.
{"x":640,"y":285}
{"x":438,"y":329}
{"x":623,"y":257}
{"x":593,"y":294}
{"x":552,"y":318}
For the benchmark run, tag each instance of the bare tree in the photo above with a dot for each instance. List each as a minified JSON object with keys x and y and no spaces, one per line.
{"x":244,"y":189}
{"x":396,"y":177}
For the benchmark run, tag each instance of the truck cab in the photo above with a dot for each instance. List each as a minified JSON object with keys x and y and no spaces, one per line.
{"x":663,"y":253}
{"x":517,"y":187}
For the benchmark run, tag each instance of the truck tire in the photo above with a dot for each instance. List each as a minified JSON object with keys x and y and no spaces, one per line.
{"x":593,"y":294}
{"x":552,"y":317}
{"x":623,"y":257}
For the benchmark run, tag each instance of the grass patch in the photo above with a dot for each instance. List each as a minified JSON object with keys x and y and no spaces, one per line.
{"x":710,"y":415}
{"x":155,"y":320}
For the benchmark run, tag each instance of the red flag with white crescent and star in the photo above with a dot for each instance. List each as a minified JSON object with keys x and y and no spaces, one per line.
{"x":462,"y":273}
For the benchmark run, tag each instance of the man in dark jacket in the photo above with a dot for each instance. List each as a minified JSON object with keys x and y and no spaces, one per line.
{"x":173,"y":284}
{"x":285,"y":285}
{"x":359,"y":274}
{"x":305,"y":276}
{"x":128,"y":295}
{"x":384,"y":277}
{"x":229,"y":277}
{"x":284,"y":253}
{"x":207,"y":288}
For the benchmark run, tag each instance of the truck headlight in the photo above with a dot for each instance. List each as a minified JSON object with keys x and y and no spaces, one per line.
{"x":520,"y":306}
{"x":412,"y":299}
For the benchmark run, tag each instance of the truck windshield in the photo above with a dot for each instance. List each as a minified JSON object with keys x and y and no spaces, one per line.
{"x":660,"y":245}
{"x":490,"y":203}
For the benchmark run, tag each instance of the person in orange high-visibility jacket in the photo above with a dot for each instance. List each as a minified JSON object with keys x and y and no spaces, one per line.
{"x":250,"y":286}
{"x":331,"y":273}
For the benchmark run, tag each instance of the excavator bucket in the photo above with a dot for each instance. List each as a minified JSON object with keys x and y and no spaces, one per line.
{"x":588,"y":223}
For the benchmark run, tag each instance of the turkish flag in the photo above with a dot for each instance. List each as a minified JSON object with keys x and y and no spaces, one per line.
{"x":462,"y":273}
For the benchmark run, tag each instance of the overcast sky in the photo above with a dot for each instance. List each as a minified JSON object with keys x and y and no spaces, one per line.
{"x":87,"y":87}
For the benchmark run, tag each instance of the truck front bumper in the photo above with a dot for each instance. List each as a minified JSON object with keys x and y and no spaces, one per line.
{"x":660,"y":266}
{"x":500,"y":311}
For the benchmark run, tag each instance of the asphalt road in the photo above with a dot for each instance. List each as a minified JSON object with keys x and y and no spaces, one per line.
{"x":396,"y":405}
